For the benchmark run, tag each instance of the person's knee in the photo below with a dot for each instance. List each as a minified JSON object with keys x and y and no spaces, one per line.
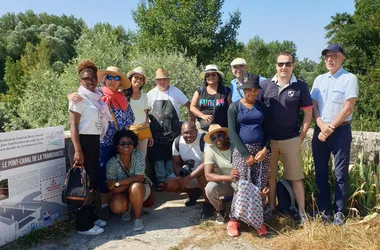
{"x":171,"y":185}
{"x":118,"y":203}
{"x":211,"y":188}
{"x":136,"y":189}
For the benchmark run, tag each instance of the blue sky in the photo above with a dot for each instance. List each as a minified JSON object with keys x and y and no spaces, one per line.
{"x":301,"y":21}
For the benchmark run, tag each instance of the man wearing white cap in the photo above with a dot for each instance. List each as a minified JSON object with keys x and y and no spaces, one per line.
{"x":239,"y":69}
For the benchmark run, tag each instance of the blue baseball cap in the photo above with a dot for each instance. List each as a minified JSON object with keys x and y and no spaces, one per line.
{"x":333,"y":48}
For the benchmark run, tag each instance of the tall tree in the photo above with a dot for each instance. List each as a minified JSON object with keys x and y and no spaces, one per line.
{"x":193,"y":27}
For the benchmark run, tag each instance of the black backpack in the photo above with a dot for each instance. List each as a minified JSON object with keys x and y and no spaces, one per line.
{"x":201,"y":142}
{"x":286,"y":199}
{"x":77,"y":191}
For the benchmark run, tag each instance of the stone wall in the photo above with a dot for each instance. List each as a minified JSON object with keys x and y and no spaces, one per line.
{"x":368,"y":142}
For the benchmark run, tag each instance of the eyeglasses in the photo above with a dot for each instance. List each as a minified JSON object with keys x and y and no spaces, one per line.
{"x":217,"y":136}
{"x":109,"y":77}
{"x":332,"y":56}
{"x":211,"y":74}
{"x":126,"y":143}
{"x":287,"y":64}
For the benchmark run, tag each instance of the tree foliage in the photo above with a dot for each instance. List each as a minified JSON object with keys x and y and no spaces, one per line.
{"x":192,"y":27}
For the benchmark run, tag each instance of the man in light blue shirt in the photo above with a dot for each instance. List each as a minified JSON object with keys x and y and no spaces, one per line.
{"x":239,"y":69}
{"x":334,"y":96}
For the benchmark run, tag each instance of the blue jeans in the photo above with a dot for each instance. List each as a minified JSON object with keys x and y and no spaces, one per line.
{"x":163,"y":170}
{"x":339,"y":144}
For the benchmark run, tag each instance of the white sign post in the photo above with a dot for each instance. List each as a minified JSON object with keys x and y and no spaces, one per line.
{"x":32,"y":172}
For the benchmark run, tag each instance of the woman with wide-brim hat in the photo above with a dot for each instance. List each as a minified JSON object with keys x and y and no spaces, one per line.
{"x":210,"y":102}
{"x":139,"y":103}
{"x":113,"y":81}
{"x":248,"y":129}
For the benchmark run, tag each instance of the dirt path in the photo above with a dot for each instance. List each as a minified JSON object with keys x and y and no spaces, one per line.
{"x":168,"y":225}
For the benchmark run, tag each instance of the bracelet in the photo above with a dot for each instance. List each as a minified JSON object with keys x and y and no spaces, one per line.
{"x":331,"y":127}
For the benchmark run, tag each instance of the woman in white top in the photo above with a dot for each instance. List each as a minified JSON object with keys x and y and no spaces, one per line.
{"x":138,"y":100}
{"x":88,"y":124}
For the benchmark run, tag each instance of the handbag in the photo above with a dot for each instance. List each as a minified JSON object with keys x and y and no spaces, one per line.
{"x":142,"y":131}
{"x":248,"y":202}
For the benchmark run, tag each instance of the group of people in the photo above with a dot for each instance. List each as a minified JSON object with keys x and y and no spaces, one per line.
{"x":229,"y":151}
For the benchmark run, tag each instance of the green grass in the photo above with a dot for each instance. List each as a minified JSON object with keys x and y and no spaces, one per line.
{"x":56,"y":233}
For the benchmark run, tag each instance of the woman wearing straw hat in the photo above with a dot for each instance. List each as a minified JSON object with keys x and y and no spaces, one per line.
{"x":210,"y":102}
{"x":248,"y":131}
{"x":218,"y":169}
{"x":122,"y":117}
{"x":139,"y":103}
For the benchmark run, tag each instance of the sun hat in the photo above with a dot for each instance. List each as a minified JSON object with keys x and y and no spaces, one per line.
{"x":161,"y":74}
{"x":238,"y":61}
{"x":211,"y":68}
{"x":138,"y":70}
{"x":214,"y":128}
{"x":124,"y":83}
{"x":251,"y":81}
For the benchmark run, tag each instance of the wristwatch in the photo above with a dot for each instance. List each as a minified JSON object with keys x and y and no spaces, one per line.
{"x":117,"y":184}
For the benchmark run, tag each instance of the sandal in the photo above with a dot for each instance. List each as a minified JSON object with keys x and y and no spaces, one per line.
{"x":160,"y":186}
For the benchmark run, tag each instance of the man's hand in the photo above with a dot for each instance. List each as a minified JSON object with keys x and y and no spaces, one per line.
{"x":183,"y":181}
{"x":260,"y":156}
{"x":150,"y":142}
{"x":326,"y":129}
{"x":234,"y":174}
{"x":322,"y":137}
{"x":302,"y":137}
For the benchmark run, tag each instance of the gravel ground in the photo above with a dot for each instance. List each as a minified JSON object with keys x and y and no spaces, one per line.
{"x":168,"y":225}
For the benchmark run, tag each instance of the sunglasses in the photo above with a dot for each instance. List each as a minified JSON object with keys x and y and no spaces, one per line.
{"x":109,"y":77}
{"x":211,"y":74}
{"x":287,"y":64}
{"x":217,"y":136}
{"x":126,"y":143}
{"x":141,"y":78}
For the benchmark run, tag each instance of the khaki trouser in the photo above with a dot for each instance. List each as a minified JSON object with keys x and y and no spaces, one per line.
{"x":214,"y":190}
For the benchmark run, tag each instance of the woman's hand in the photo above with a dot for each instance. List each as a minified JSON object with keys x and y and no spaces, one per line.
{"x":250,"y":160}
{"x":111,"y":184}
{"x":78,"y":157}
{"x":260,"y":156}
{"x":150,"y":142}
{"x":74,"y":97}
{"x":234,"y":174}
{"x":265,"y":191}
{"x":208,"y":118}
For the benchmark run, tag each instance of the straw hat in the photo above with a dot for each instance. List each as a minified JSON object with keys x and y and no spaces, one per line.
{"x":112,"y":70}
{"x":138,"y":70}
{"x":162,"y":74}
{"x":211,"y":68}
{"x":214,"y":128}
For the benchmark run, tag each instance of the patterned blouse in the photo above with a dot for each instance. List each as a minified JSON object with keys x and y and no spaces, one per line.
{"x":123,"y":119}
{"x":117,"y":171}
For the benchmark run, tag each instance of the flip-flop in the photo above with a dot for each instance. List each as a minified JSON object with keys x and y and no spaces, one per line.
{"x":160,"y":187}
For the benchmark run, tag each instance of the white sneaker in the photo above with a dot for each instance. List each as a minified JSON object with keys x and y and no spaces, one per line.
{"x":138,"y":225}
{"x":100,"y":223}
{"x":93,"y":231}
{"x":126,"y":215}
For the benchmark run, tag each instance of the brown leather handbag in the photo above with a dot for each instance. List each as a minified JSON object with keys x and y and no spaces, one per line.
{"x":142,"y":131}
